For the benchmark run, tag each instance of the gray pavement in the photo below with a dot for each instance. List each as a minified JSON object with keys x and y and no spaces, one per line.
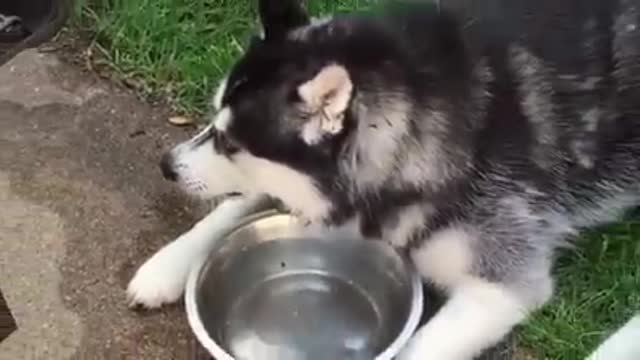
{"x":82,"y":204}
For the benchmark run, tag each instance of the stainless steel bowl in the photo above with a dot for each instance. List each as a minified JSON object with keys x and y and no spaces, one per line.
{"x":269,"y":293}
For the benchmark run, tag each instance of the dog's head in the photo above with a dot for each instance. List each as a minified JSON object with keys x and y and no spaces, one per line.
{"x":289,"y":109}
{"x":278,"y":115}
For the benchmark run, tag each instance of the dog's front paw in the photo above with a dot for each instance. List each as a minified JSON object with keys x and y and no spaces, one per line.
{"x":161,"y":280}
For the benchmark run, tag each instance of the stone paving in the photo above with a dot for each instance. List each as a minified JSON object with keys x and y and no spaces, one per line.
{"x":82,"y":204}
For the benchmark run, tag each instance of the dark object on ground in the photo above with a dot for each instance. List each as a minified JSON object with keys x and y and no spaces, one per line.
{"x":12,"y":29}
{"x":29,"y":23}
{"x":7,"y":322}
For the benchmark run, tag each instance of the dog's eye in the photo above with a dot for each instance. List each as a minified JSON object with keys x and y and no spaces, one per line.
{"x":294,"y":97}
{"x":255,"y":42}
{"x":238,"y":83}
{"x":224,"y":145}
{"x":305,"y":115}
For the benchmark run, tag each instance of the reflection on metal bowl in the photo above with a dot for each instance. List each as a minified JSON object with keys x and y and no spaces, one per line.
{"x":268,"y":292}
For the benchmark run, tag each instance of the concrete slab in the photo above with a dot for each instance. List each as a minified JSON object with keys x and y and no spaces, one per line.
{"x":82,"y":204}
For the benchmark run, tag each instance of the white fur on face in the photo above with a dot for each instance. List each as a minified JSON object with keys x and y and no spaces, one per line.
{"x":223,"y":119}
{"x":217,"y":98}
{"x":204,"y":173}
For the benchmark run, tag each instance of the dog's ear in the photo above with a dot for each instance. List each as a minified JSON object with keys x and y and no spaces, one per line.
{"x":278,"y":17}
{"x":328,"y":95}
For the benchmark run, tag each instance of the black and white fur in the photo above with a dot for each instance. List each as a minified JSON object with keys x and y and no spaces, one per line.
{"x":480,"y":148}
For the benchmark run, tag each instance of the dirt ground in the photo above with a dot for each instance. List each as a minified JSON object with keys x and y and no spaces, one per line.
{"x":82,"y":204}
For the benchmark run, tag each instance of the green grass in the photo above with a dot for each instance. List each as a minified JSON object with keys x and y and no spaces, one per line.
{"x":180,"y":49}
{"x":598,"y":290}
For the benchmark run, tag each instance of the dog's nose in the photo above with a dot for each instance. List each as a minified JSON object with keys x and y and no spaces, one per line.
{"x":166,"y":165}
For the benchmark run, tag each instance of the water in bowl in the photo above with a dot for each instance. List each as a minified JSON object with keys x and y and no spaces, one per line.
{"x":303,"y":315}
{"x":304,"y":299}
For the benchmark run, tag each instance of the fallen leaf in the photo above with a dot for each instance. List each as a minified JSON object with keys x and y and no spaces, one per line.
{"x":180,"y":120}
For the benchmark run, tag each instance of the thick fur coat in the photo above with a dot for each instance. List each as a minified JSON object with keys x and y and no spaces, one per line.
{"x":478,"y":147}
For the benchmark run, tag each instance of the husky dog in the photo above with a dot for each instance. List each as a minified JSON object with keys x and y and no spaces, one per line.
{"x":478,"y":148}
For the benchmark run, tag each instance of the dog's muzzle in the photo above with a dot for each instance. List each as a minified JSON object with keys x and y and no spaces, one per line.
{"x":167,"y":168}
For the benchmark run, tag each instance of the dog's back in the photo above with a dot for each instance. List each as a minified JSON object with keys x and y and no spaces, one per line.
{"x":564,"y":113}
{"x":541,"y":93}
{"x":578,"y":70}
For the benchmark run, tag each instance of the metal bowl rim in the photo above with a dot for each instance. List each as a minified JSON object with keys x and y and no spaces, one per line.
{"x":411,"y":324}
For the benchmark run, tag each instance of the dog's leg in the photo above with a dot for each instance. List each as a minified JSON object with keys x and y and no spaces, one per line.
{"x":477,"y":316}
{"x":162,"y":278}
{"x":478,"y":313}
